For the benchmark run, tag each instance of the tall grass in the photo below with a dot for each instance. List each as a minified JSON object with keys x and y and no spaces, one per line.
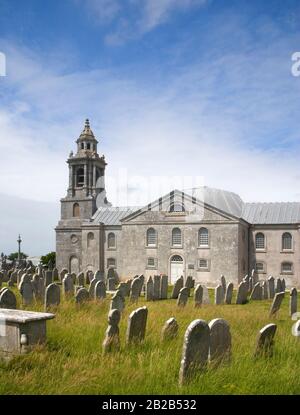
{"x":72,"y":361}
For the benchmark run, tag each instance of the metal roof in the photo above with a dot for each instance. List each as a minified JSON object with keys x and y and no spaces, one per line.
{"x":272,"y":213}
{"x":112,"y":215}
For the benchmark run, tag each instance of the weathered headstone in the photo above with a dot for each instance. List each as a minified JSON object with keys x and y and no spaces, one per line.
{"x":111,"y":273}
{"x":156,"y":287}
{"x":164,"y":287}
{"x":170,"y":329}
{"x":100,"y":290}
{"x":250,"y":285}
{"x":124,"y":289}
{"x":117,"y":301}
{"x":55,"y":274}
{"x":111,"y":284}
{"x":112,"y":338}
{"x":265,"y":341}
{"x":177,"y":287}
{"x":198,"y":295}
{"x":52,"y":296}
{"x":246,"y":280}
{"x":63,"y":273}
{"x":38,"y":287}
{"x":189,"y":282}
{"x":293,"y":301}
{"x":137,"y":325}
{"x":26,"y":290}
{"x":195,"y":350}
{"x":278,"y":286}
{"x":205,"y":299}
{"x":283,"y":285}
{"x":92,"y":287}
{"x":220,"y":341}
{"x":82,"y":295}
{"x":223,"y":283}
{"x":7,"y":299}
{"x":219,"y":295}
{"x":149,"y":289}
{"x":265,"y":290}
{"x":276,"y":303}
{"x":256,"y":292}
{"x":242,"y":293}
{"x":48,"y":278}
{"x":228,"y":293}
{"x":80,"y":279}
{"x":183,"y":296}
{"x":135,"y":290}
{"x":271,"y":283}
{"x":68,"y":285}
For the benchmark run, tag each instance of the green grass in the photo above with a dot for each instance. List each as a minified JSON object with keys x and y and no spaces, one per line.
{"x":72,"y":361}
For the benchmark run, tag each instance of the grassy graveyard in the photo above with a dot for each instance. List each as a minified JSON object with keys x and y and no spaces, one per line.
{"x":72,"y":361}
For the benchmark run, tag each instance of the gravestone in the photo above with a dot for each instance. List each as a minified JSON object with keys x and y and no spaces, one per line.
{"x":293,"y":301}
{"x":223,"y":283}
{"x":276,"y":303}
{"x":195,"y":350}
{"x":256,"y":292}
{"x":68,"y":285}
{"x":246,"y":280}
{"x":265,"y":290}
{"x":55,"y":274}
{"x":38,"y":287}
{"x":137,"y":325}
{"x":265,"y":341}
{"x":92,"y":288}
{"x":117,"y":301}
{"x":142,"y":281}
{"x":97,"y":275}
{"x":189,"y":283}
{"x":254,"y":277}
{"x":198,"y":295}
{"x":183,"y":296}
{"x":177,"y":287}
{"x":89,"y":276}
{"x":156,"y":287}
{"x":7,"y":299}
{"x":100,"y":290}
{"x":52,"y":296}
{"x":82,"y":295}
{"x":271,"y":283}
{"x":228,"y":293}
{"x":20,"y":274}
{"x":149,"y":289}
{"x":242,"y":293}
{"x":112,"y":337}
{"x":250,"y":285}
{"x":205,"y":298}
{"x":111,"y":284}
{"x":14,"y":277}
{"x":278,"y":286}
{"x":124,"y":289}
{"x":48,"y":278}
{"x":62,"y":274}
{"x":219,"y":295}
{"x":283,"y":285}
{"x":80,"y":279}
{"x":135,"y":290}
{"x":111,"y":273}
{"x":26,"y":290}
{"x":170,"y":329}
{"x":164,"y":287}
{"x":220,"y":341}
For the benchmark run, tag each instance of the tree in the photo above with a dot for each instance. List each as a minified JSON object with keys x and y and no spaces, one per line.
{"x":14,"y":255}
{"x":51,"y":256}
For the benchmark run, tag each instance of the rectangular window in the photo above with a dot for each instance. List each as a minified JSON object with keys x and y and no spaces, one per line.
{"x":286,"y":267}
{"x":111,"y":263}
{"x":203,"y":263}
{"x":151,"y":262}
{"x":259,"y":267}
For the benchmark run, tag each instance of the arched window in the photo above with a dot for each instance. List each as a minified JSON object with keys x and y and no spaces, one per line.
{"x":260,"y":241}
{"x":151,"y":237}
{"x":80,"y":177}
{"x":286,"y":241}
{"x":90,"y":239}
{"x":177,"y":207}
{"x":88,"y":146}
{"x":111,"y":262}
{"x":286,"y":268}
{"x":203,"y":237}
{"x":76,"y":210}
{"x":111,"y":240}
{"x":176,"y":237}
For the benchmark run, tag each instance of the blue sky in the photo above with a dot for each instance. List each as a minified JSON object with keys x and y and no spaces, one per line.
{"x":172,"y":88}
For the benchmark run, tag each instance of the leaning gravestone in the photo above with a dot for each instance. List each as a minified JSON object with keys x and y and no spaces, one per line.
{"x":149,"y":289}
{"x":250,"y":285}
{"x":223,"y":283}
{"x":293,"y":301}
{"x":246,"y":280}
{"x":242,"y":293}
{"x":92,"y":287}
{"x":265,"y":341}
{"x":52,"y":296}
{"x":68,"y":285}
{"x":219,"y":295}
{"x":265,"y":290}
{"x":256,"y":292}
{"x":164,"y":287}
{"x":117,"y":301}
{"x":271,"y":283}
{"x":137,"y":325}
{"x":229,"y":292}
{"x":195,"y":350}
{"x":183,"y":296}
{"x":198,"y":295}
{"x":112,"y":338}
{"x":156,"y":287}
{"x":170,"y":329}
{"x":7,"y":299}
{"x":82,"y":295}
{"x":276,"y":303}
{"x":100,"y":290}
{"x":220,"y":341}
{"x":177,"y":287}
{"x":205,"y":299}
{"x":135,"y":290}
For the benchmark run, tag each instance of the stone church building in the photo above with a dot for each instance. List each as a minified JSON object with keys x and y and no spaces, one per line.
{"x":203,"y":232}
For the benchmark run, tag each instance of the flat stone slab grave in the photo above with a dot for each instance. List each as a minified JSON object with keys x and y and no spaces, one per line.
{"x":20,"y":330}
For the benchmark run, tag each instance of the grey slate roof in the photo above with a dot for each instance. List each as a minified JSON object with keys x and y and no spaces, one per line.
{"x":228,"y":202}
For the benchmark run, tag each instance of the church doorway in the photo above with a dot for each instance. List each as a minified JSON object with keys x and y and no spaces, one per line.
{"x":176,"y":268}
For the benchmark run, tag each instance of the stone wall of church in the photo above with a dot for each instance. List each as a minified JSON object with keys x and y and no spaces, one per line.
{"x":68,"y":249}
